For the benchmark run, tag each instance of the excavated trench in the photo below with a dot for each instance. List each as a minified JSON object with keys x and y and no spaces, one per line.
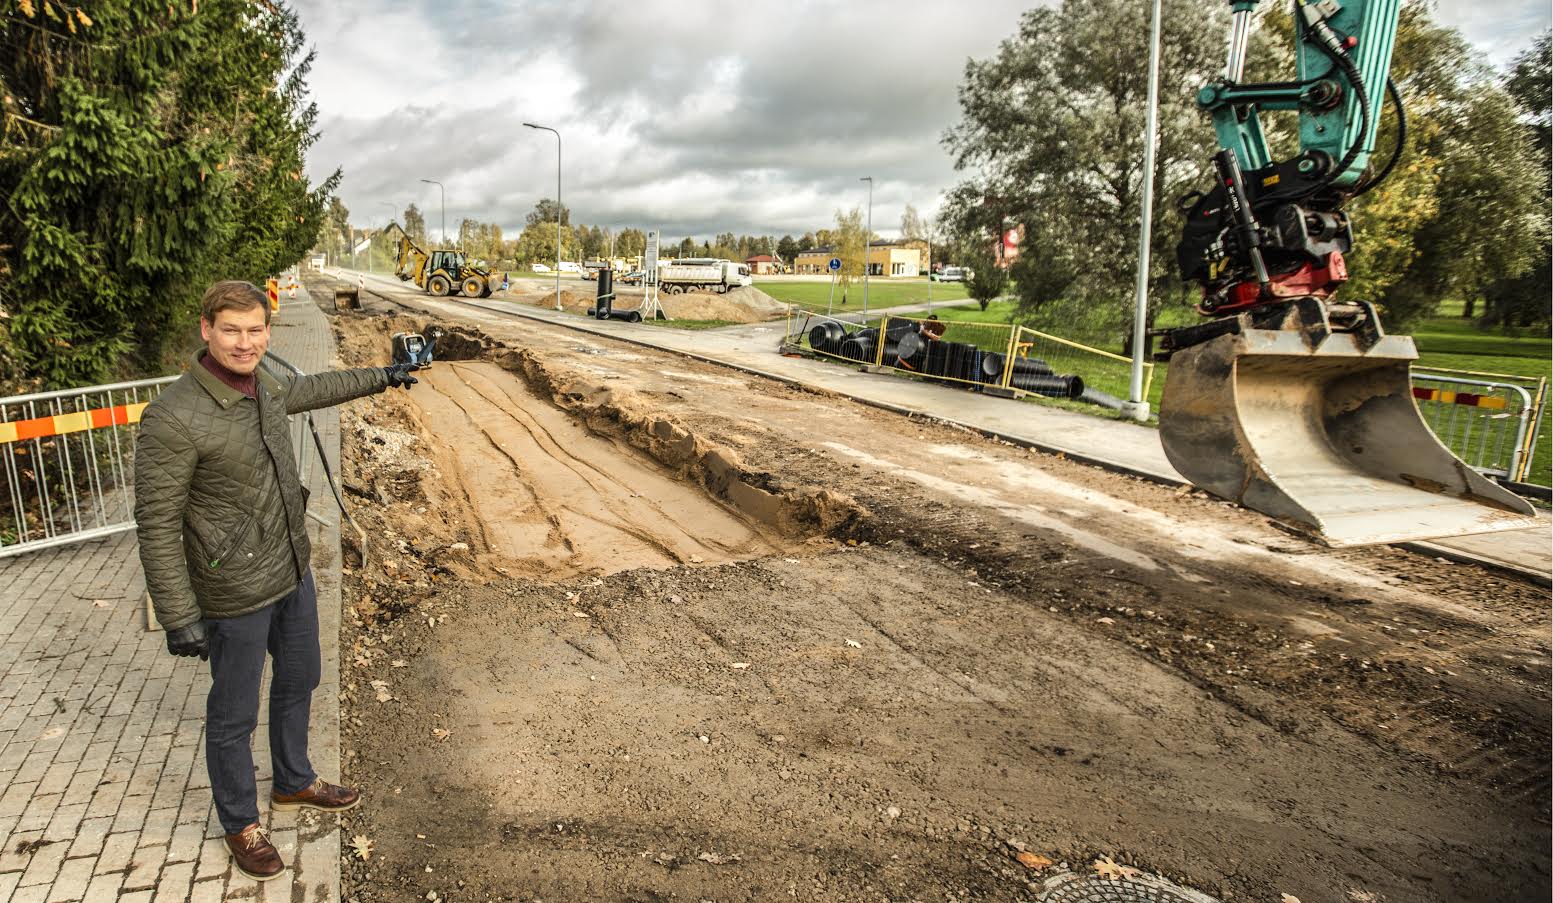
{"x":557,"y":479}
{"x":562,"y":500}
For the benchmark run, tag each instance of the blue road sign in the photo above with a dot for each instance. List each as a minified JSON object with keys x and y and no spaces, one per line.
{"x":835,"y":263}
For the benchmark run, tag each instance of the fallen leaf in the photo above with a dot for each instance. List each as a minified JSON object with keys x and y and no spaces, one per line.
{"x":1106,"y":620}
{"x":101,"y":603}
{"x":441,"y":733}
{"x":854,"y":644}
{"x":362,"y":846}
{"x":1106,"y":868}
{"x":1031,"y":860}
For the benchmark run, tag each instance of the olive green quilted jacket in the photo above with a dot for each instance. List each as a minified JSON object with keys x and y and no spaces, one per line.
{"x":218,"y":503}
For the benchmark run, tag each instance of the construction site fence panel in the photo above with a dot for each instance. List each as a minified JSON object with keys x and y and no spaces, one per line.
{"x":1490,"y":423}
{"x":1107,"y":376}
{"x":959,"y":352}
{"x":67,"y":463}
{"x":971,"y":354}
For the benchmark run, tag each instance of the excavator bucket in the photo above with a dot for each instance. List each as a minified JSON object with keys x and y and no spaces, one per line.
{"x":1319,"y":429}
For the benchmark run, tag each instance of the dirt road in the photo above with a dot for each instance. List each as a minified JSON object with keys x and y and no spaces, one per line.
{"x":632,"y":627}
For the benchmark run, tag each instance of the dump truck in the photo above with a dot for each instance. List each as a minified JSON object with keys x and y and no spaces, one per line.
{"x":1286,"y":400}
{"x":443,"y":272}
{"x":702,"y":274}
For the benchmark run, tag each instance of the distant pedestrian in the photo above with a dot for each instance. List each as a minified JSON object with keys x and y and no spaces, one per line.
{"x":223,"y":541}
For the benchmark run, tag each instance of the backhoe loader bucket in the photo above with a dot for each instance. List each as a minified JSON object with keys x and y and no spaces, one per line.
{"x":1318,"y":430}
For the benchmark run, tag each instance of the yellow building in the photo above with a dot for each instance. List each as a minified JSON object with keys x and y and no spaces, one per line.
{"x":890,"y":259}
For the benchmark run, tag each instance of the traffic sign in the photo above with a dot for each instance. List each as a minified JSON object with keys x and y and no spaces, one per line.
{"x":835,"y":263}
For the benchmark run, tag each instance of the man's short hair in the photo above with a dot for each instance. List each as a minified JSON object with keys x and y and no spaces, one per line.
{"x":233,"y":294}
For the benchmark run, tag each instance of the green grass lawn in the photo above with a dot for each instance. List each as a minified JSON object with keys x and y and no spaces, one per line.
{"x":882,"y":293}
{"x":690,"y":324}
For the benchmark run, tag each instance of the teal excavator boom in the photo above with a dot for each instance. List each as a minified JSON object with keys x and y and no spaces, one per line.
{"x":1288,"y":401}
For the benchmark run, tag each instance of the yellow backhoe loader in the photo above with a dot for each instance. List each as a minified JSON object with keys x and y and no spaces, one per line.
{"x":443,"y":272}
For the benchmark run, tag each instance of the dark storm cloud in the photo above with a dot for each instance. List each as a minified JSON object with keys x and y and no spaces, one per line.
{"x":698,"y":119}
{"x":699,"y":122}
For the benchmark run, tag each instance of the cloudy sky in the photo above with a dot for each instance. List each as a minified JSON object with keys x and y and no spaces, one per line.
{"x":694,"y":118}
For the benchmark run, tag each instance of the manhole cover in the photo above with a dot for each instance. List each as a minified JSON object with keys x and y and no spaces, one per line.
{"x":1142,"y":889}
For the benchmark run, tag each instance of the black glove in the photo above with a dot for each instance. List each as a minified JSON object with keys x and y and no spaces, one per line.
{"x":190,"y":640}
{"x":399,"y":375}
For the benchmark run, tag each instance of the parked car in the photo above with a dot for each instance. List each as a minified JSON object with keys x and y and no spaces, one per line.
{"x":540,"y":268}
{"x":571,"y":266}
{"x":951,"y":274}
{"x":634,"y":277}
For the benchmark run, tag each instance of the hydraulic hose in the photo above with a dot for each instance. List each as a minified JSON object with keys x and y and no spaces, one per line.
{"x":1396,"y":101}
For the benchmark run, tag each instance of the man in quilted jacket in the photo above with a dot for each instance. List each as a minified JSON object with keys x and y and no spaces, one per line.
{"x":223,"y":540}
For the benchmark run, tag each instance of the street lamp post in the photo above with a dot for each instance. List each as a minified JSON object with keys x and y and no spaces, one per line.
{"x":1137,"y":406}
{"x":442,"y":233}
{"x":930,"y":262}
{"x":868,"y":237}
{"x":558,"y":207}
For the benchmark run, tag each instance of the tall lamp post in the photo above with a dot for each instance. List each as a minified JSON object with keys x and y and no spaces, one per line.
{"x":868,"y":237}
{"x":442,"y":233}
{"x":558,"y":207}
{"x":930,"y":261}
{"x":1136,"y":405}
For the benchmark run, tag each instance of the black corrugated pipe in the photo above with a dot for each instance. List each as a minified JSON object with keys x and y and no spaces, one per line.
{"x":1050,"y":386}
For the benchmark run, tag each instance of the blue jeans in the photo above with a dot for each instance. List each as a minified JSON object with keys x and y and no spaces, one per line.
{"x":288,"y":632}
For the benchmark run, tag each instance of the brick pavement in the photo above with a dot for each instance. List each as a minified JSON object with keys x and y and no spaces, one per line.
{"x":103,"y":789}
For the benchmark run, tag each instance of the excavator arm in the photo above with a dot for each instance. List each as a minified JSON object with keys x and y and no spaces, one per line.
{"x":409,"y":260}
{"x":1289,"y":402}
{"x":1275,"y":229}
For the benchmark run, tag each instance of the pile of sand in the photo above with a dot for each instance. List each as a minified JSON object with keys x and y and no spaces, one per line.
{"x":740,"y":305}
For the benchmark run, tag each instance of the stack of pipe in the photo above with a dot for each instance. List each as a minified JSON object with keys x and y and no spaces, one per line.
{"x":908,"y":347}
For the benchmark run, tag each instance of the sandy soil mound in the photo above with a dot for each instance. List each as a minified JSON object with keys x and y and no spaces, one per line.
{"x":740,"y":305}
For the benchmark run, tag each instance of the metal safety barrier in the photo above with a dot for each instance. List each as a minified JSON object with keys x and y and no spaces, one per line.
{"x":1489,"y":423}
{"x":68,"y":462}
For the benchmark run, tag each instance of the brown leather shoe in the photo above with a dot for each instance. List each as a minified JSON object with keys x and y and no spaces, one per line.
{"x":323,"y":796}
{"x":254,"y":855}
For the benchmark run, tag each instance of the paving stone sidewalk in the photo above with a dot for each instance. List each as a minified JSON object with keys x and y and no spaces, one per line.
{"x":103,"y":789}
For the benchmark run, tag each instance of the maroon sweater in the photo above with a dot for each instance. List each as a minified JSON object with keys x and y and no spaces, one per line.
{"x":248,"y":385}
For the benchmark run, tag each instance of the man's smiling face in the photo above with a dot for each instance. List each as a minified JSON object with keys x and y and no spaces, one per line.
{"x":237,"y":339}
